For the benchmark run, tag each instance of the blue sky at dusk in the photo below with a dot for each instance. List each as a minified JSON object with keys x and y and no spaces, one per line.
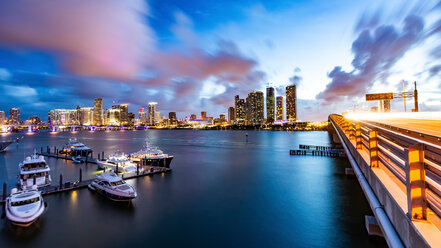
{"x":193,"y":56}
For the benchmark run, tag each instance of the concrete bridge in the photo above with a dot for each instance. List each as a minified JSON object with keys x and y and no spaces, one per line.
{"x":397,"y":162}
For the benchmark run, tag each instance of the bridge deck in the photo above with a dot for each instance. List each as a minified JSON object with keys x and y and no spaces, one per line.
{"x":432,"y":127}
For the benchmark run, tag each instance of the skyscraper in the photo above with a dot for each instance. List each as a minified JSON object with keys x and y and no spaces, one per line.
{"x":255,"y":108}
{"x":98,"y":112}
{"x":85,"y":116}
{"x":280,"y":114}
{"x":203,"y":115}
{"x":14,"y":116}
{"x":124,"y":114}
{"x":231,"y":115}
{"x":270,"y":105}
{"x":172,"y":118}
{"x":291,"y":103}
{"x":239,"y":106}
{"x":2,"y":117}
{"x":152,"y":113}
{"x":222,"y":118}
{"x":141,"y":115}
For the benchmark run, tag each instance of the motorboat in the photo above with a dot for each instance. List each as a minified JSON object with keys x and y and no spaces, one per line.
{"x":119,"y":162}
{"x":78,"y":159}
{"x":75,"y":148}
{"x":113,"y":187}
{"x":151,"y":156}
{"x":34,"y":171}
{"x":24,"y":207}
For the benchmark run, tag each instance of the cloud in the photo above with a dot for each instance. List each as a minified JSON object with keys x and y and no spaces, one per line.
{"x":104,"y":38}
{"x":375,"y":51}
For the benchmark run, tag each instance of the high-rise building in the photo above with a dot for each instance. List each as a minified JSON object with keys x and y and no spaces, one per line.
{"x":192,"y":117}
{"x":113,"y":116}
{"x":14,"y":116}
{"x":203,"y":115}
{"x":131,"y":118}
{"x":34,"y":120}
{"x":152,"y":113}
{"x":222,"y":118}
{"x":231,"y":115}
{"x":141,"y":115}
{"x":291,"y":103}
{"x":85,"y":116}
{"x":270,"y":105}
{"x":2,"y":117}
{"x":280,"y":115}
{"x":63,"y":117}
{"x":124,"y":114}
{"x":384,"y":106}
{"x":239,"y":106}
{"x":172,"y":118}
{"x":255,"y":108}
{"x":98,"y":112}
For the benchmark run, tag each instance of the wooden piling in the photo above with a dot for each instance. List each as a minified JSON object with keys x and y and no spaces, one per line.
{"x":61,"y":181}
{"x":5,"y":188}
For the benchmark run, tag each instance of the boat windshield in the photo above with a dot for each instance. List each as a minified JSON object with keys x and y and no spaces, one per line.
{"x":25,"y":202}
{"x":117,"y":183}
{"x":34,"y":165}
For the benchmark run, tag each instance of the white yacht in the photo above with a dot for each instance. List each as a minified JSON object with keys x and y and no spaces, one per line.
{"x":151,"y":156}
{"x":113,"y":187}
{"x":34,"y":171}
{"x":75,"y":148}
{"x":24,"y":207}
{"x":118,"y":162}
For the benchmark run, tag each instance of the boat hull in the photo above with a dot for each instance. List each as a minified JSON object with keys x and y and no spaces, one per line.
{"x":109,"y":195}
{"x":24,"y":222}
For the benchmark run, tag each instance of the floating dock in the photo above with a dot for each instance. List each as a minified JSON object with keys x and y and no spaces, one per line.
{"x":318,"y":151}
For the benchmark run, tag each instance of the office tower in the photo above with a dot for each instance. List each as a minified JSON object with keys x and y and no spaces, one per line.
{"x":270,"y":105}
{"x":98,"y":112}
{"x":14,"y":116}
{"x":2,"y":117}
{"x":113,"y":116}
{"x":142,"y":115}
{"x":192,"y":117}
{"x":152,"y":113}
{"x":239,"y":106}
{"x":291,"y":103}
{"x":203,"y":115}
{"x":85,"y":116}
{"x":131,"y":118}
{"x":124,"y":114}
{"x":384,"y":106}
{"x":255,"y":108}
{"x":158,"y":116}
{"x":34,"y":120}
{"x":280,"y":115}
{"x":222,"y":118}
{"x":231,"y":115}
{"x":64,"y":117}
{"x":172,"y":118}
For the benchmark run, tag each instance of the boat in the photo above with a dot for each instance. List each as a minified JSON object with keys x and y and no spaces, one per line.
{"x":78,"y":159}
{"x":76,"y":148}
{"x":24,"y":207}
{"x":113,"y":187}
{"x":4,"y":144}
{"x":118,"y":162}
{"x":34,"y":171}
{"x":151,"y":156}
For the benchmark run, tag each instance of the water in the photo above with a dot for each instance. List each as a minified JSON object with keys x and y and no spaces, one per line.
{"x":222,"y":192}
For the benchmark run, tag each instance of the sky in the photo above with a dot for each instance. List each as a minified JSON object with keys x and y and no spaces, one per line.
{"x":193,"y":56}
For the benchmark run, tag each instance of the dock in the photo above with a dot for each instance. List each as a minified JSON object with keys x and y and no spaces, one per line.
{"x":313,"y":150}
{"x":80,"y":184}
{"x":54,"y":153}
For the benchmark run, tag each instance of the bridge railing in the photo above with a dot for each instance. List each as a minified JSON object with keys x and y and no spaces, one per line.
{"x":413,"y":158}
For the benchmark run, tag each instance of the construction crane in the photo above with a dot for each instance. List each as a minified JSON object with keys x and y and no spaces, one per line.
{"x":391,"y":96}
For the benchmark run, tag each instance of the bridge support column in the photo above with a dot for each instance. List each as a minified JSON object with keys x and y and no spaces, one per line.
{"x":416,"y":183}
{"x":358,"y":137}
{"x":373,"y":148}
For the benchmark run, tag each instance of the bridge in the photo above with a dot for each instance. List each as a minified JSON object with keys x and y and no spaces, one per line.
{"x":397,"y":161}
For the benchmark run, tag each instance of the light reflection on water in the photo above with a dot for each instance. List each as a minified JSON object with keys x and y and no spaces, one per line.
{"x":223,"y":192}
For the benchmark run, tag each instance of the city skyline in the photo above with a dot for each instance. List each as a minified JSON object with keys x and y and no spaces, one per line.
{"x":151,"y":65}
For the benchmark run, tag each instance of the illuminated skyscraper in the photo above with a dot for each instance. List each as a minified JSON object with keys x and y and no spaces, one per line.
{"x":270,"y":105}
{"x":98,"y":112}
{"x":291,"y":103}
{"x":231,"y":115}
{"x":172,"y":118}
{"x":14,"y":116}
{"x":203,"y":115}
{"x":124,"y":114}
{"x":141,"y":115}
{"x":2,"y":117}
{"x":152,"y":113}
{"x":85,"y":116}
{"x":239,"y":107}
{"x":280,"y":114}
{"x":192,"y":117}
{"x":255,"y":108}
